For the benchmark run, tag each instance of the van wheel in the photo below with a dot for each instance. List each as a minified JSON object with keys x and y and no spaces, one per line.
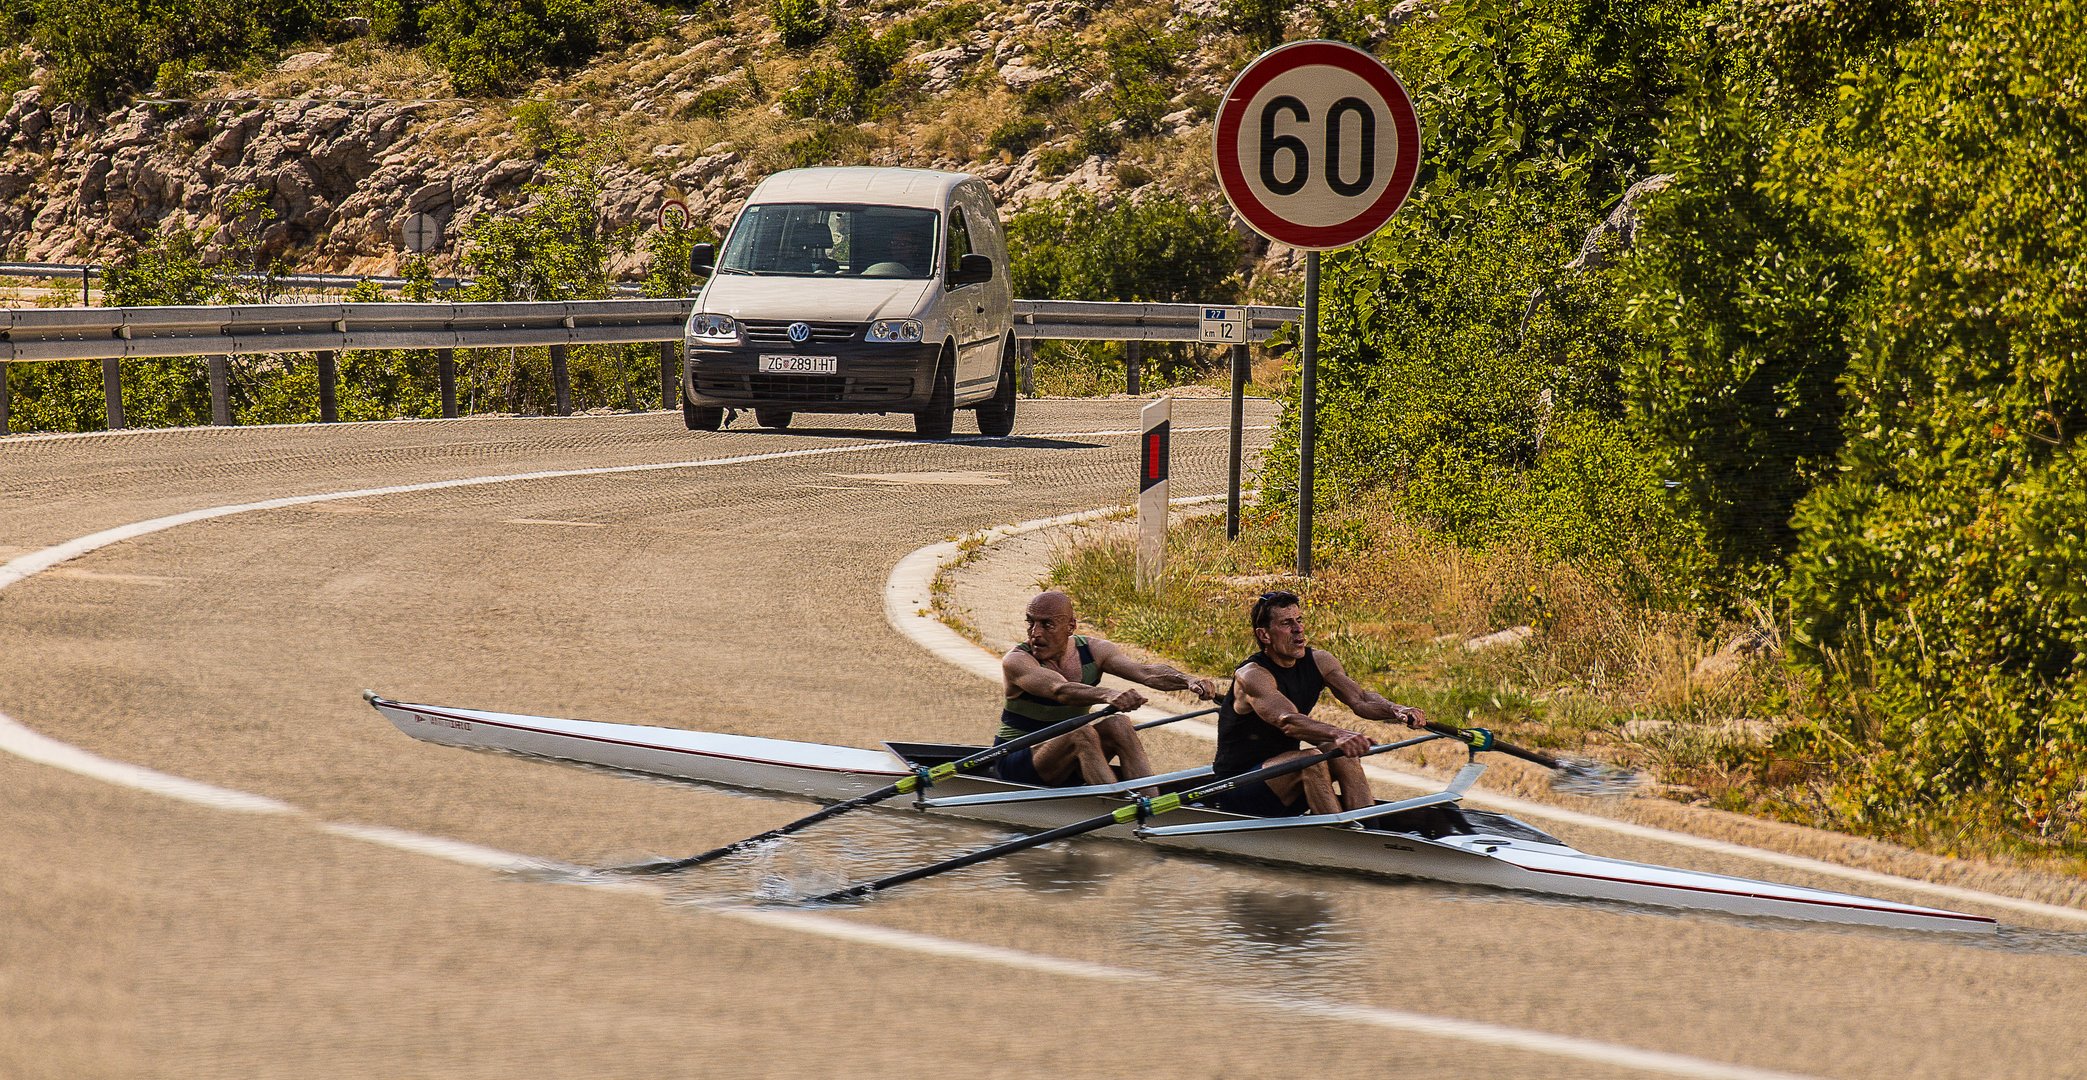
{"x":996,"y":415}
{"x":698,"y":418}
{"x":934,"y":421}
{"x":773,"y":418}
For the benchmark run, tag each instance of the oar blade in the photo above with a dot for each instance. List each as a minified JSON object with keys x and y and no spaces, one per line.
{"x":1585,"y":776}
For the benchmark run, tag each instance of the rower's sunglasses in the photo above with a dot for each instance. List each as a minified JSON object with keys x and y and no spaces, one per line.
{"x":1266,"y":603}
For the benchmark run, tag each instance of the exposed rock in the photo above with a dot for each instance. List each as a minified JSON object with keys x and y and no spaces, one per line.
{"x":1512,"y":637}
{"x":1615,"y":234}
{"x":1725,"y":662}
{"x":1019,"y":76}
{"x":943,"y":68}
{"x":304,"y":61}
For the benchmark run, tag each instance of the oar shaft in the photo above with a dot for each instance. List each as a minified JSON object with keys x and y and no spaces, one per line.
{"x":1150,"y":724}
{"x":972,"y":763}
{"x":1122,"y":815}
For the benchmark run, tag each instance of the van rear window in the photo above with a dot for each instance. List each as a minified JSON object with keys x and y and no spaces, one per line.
{"x":832,"y":240}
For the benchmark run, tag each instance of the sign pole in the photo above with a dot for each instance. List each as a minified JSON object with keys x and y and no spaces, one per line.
{"x":1239,"y":365}
{"x":1308,"y":412}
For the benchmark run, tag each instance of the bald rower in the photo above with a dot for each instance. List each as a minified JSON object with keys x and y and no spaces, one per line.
{"x":1055,"y":675}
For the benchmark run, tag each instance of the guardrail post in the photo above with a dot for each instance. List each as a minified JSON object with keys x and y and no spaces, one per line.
{"x":1132,"y":353}
{"x":329,"y":375}
{"x":221,"y":391}
{"x":1025,"y":363}
{"x":112,"y":391}
{"x":446,"y":371}
{"x":4,"y":402}
{"x":561,"y":381}
{"x":1239,"y":369}
{"x":669,"y":374}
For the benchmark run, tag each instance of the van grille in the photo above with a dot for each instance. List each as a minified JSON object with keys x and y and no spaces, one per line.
{"x":767,"y":332}
{"x":806,"y":389}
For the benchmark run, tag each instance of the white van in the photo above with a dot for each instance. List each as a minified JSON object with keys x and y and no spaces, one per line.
{"x":850,"y":290}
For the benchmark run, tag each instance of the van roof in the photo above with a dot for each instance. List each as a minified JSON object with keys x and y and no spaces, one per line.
{"x":857,"y":183}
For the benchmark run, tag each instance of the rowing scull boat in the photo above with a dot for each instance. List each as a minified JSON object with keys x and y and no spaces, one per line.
{"x":1433,"y":836}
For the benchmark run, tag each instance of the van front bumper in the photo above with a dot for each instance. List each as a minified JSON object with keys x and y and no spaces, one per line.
{"x":869,"y":378}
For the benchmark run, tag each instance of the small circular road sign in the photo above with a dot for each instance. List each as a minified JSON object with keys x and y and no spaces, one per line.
{"x":1317,"y":144}
{"x":672,"y":214}
{"x":421,"y":233}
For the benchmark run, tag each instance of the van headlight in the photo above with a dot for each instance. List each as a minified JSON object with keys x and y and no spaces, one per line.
{"x":715,"y":329}
{"x":895,"y":330}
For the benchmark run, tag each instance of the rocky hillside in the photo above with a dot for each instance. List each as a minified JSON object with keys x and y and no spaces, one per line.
{"x":350,"y":137}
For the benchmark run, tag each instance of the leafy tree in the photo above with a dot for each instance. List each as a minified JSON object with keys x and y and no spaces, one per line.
{"x":1941,"y":573}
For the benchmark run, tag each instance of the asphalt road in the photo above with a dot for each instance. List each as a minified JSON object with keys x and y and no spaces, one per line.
{"x":741,"y":590}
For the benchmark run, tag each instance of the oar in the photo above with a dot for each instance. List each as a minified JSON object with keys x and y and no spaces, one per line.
{"x":1575,"y":776}
{"x":1143,"y":808}
{"x":918,"y":780}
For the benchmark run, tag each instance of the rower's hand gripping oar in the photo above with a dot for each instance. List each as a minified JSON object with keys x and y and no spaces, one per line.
{"x":921,"y":779}
{"x":1570,"y":775}
{"x":1136,"y":811}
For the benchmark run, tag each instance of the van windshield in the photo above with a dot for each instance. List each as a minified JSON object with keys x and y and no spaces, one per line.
{"x":832,"y":240}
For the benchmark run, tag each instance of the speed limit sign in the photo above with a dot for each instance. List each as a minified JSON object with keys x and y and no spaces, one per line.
{"x":1317,"y":144}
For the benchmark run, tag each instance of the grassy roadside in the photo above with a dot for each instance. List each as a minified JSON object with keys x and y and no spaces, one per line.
{"x":1705,"y":708}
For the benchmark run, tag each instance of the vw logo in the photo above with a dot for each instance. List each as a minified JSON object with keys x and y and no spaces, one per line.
{"x":800,"y":332}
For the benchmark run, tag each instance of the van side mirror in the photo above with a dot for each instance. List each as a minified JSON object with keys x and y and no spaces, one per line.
{"x":973,"y":269}
{"x":702,"y":258}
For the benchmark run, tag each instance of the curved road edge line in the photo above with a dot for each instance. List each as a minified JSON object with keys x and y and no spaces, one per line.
{"x":909,"y":607}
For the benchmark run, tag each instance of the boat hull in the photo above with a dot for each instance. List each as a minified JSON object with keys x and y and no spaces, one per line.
{"x":1500,"y":857}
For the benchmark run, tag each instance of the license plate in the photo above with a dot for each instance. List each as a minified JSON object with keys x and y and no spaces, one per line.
{"x":800,"y":365}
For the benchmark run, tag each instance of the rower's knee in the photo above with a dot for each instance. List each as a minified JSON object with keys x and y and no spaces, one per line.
{"x":1115,"y":730}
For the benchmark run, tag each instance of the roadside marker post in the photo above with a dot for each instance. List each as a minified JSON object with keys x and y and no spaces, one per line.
{"x":1316,"y":146}
{"x":1155,"y":420}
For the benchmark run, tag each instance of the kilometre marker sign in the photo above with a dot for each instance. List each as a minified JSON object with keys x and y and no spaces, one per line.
{"x":1317,"y":144}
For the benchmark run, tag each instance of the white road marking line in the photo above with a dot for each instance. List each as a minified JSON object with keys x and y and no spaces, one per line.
{"x":909,"y":607}
{"x":31,"y":745}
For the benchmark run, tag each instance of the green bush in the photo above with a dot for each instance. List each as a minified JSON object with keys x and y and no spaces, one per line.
{"x":1163,"y":247}
{"x":101,"y":51}
{"x":1017,"y":135}
{"x":492,"y":46}
{"x":799,"y":23}
{"x":849,"y":90}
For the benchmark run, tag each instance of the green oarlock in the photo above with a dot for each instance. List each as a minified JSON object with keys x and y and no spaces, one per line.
{"x":1165,"y":803}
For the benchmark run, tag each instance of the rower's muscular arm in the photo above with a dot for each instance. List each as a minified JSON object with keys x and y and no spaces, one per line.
{"x":1157,"y":676}
{"x":1023,"y":672}
{"x":1367,"y":704}
{"x":1269,"y":703}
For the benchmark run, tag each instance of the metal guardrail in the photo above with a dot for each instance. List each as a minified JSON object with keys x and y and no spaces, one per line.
{"x":46,"y":334}
{"x":115,"y":334}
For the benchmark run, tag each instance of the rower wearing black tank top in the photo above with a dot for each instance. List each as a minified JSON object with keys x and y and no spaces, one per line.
{"x":1266,"y":720}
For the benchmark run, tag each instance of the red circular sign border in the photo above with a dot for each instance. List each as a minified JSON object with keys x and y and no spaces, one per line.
{"x":1279,"y":61}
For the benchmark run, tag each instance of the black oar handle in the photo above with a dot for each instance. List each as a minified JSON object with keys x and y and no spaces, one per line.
{"x":919,"y":780}
{"x":1143,"y":808}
